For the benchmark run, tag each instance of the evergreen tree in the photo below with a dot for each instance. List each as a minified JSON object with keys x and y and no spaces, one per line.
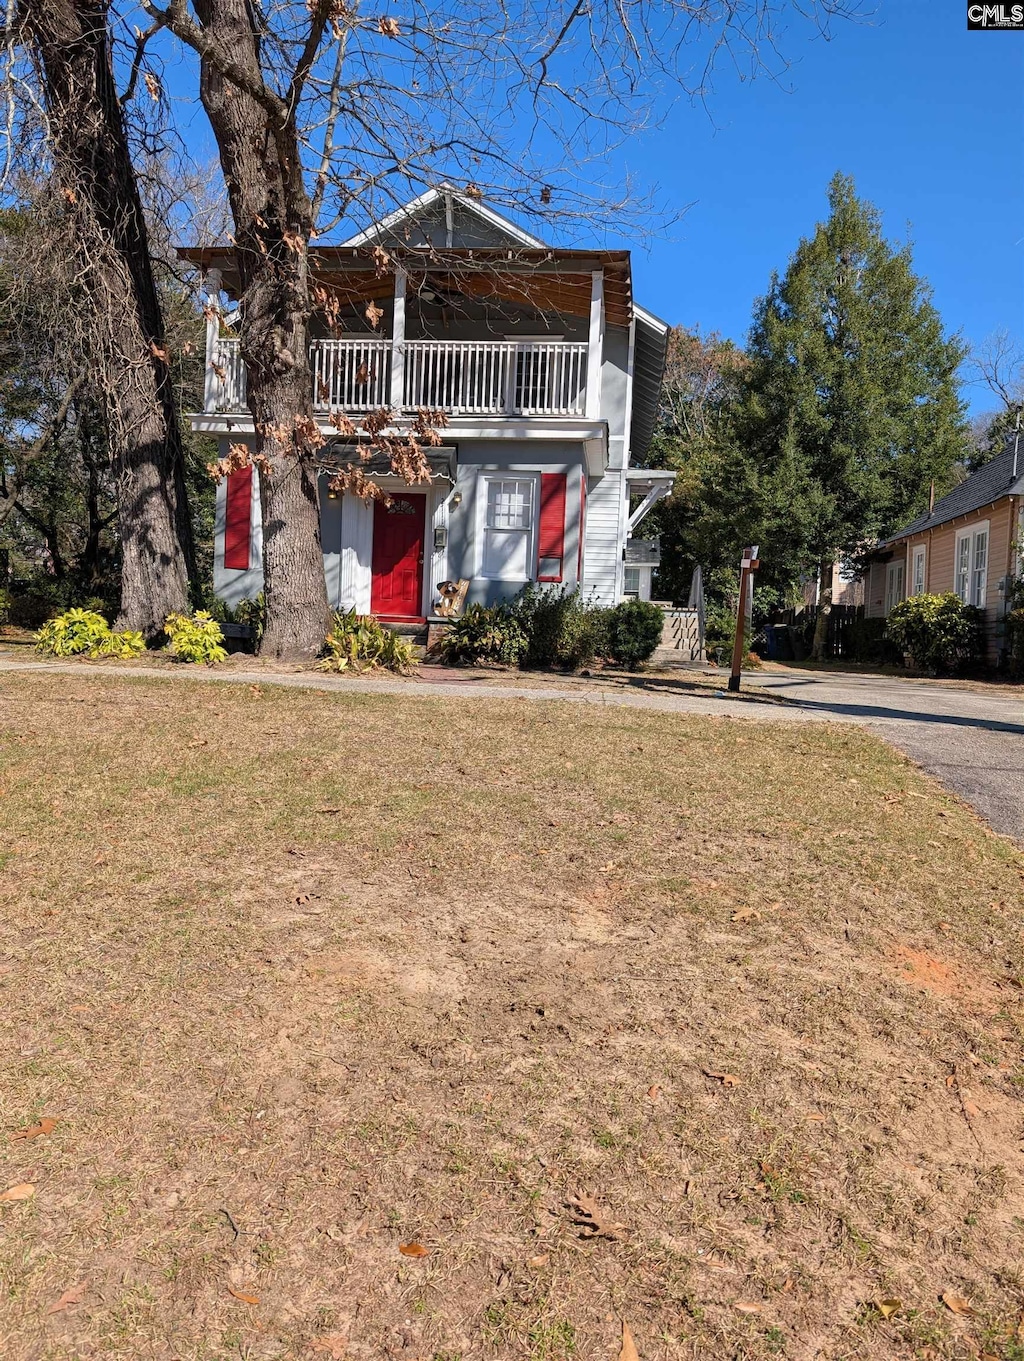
{"x":853,"y":407}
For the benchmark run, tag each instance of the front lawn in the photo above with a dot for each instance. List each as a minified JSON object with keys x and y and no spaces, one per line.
{"x":307,"y":979}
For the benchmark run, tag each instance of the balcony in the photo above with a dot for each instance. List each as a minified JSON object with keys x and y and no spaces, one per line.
{"x":460,"y":377}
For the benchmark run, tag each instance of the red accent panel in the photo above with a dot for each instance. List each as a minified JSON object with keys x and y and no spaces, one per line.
{"x":238,"y":519}
{"x":396,"y":563}
{"x":551,"y":536}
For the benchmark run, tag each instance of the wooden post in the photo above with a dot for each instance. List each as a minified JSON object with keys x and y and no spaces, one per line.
{"x":213,"y":386}
{"x":595,"y":345}
{"x":398,"y":344}
{"x":748,"y":566}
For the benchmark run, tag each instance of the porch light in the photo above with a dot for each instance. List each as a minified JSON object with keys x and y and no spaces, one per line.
{"x":457,"y":499}
{"x":333,"y":493}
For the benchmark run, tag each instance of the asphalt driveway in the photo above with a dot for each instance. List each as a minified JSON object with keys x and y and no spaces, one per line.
{"x":971,"y":740}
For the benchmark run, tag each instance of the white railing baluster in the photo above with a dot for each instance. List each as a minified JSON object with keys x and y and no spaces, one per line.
{"x":469,"y":377}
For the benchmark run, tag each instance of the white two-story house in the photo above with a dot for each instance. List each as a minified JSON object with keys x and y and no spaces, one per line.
{"x":548,"y":373}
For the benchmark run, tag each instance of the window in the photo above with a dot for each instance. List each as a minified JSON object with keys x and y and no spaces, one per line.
{"x":917,"y":575}
{"x":893,"y":585}
{"x":971,"y":560}
{"x":508,"y":528}
{"x":631,"y":583}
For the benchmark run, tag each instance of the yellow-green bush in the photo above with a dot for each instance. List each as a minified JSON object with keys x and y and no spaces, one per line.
{"x":78,"y":633}
{"x":361,"y":640}
{"x":195,"y":637}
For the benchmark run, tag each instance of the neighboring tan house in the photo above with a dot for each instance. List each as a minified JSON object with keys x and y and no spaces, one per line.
{"x":549,"y":375}
{"x":969,"y":543}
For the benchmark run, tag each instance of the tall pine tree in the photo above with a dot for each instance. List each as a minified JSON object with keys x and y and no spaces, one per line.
{"x":853,"y":407}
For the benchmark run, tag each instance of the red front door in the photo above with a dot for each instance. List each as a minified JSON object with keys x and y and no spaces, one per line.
{"x":396,"y":588}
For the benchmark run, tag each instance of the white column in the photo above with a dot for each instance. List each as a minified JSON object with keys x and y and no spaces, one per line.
{"x":398,"y":342}
{"x":212,"y":386}
{"x":596,"y":345}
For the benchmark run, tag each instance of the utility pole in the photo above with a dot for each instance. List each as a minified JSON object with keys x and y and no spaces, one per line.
{"x":748,"y":567}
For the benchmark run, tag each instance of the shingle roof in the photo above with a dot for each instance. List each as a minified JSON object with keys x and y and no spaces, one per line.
{"x":990,"y":483}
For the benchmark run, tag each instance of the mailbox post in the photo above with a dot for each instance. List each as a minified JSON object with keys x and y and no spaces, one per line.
{"x":748,"y":567}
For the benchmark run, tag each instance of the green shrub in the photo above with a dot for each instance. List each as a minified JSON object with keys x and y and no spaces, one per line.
{"x":253,"y":613}
{"x":5,"y":606}
{"x":77,"y":633}
{"x":1015,"y":628}
{"x":939,"y":632}
{"x":195,"y":637}
{"x":361,"y":640}
{"x":484,"y":634}
{"x":634,"y":631}
{"x":562,"y":628}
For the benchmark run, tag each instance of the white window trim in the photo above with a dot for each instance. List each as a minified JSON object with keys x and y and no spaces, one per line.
{"x":897,"y":565}
{"x":919,"y":551}
{"x":971,"y":532}
{"x":481,"y":523}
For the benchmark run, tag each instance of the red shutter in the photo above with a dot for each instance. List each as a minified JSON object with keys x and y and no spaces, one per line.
{"x":551,"y":538}
{"x":238,"y":519}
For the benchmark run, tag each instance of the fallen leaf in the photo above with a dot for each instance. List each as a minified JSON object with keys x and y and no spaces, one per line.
{"x":950,"y":1080}
{"x":592,"y":1219}
{"x":607,"y":869}
{"x":888,"y":1307}
{"x":815,"y":1115}
{"x":654,"y":1093}
{"x":945,"y":926}
{"x":749,"y":1307}
{"x":541,"y":1260}
{"x":628,"y":1351}
{"x":241,"y":1295}
{"x":45,"y":1126}
{"x":413,"y":1250}
{"x":24,"y":1191}
{"x":956,"y":1304}
{"x":788,"y":1283}
{"x":746,"y":914}
{"x":726,"y":1079}
{"x":333,"y":1345}
{"x":72,"y":1296}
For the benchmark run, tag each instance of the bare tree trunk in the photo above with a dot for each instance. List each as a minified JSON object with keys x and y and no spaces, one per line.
{"x":818,"y":647}
{"x":273,"y":218}
{"x":96,"y":178}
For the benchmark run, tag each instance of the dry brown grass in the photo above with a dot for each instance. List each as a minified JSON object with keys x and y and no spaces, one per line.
{"x":531,"y":933}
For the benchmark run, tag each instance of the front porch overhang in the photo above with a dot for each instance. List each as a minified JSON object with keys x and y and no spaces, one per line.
{"x":653,"y":484}
{"x":593,"y":435}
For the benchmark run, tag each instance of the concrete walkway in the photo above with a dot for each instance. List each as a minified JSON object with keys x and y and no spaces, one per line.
{"x":972,"y":740}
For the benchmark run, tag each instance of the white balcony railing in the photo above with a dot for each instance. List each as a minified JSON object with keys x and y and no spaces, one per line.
{"x":461,"y":377}
{"x":497,"y":378}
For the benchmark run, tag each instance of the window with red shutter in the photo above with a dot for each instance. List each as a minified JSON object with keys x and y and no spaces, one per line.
{"x":551,"y":529}
{"x":238,"y":519}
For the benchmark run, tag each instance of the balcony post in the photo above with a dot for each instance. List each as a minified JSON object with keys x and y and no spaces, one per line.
{"x":398,"y":343}
{"x":212,"y":386}
{"x":596,"y":345}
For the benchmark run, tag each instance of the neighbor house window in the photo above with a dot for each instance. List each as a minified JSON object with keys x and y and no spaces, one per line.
{"x":972,"y":565}
{"x":631,"y":583}
{"x":893,"y":585}
{"x":508,"y":528}
{"x":917,"y":571}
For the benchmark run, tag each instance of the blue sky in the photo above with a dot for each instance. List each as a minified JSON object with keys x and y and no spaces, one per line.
{"x":926,"y":116}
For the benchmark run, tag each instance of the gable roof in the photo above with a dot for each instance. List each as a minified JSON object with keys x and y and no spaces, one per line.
{"x":418,"y":206}
{"x":991,"y":482}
